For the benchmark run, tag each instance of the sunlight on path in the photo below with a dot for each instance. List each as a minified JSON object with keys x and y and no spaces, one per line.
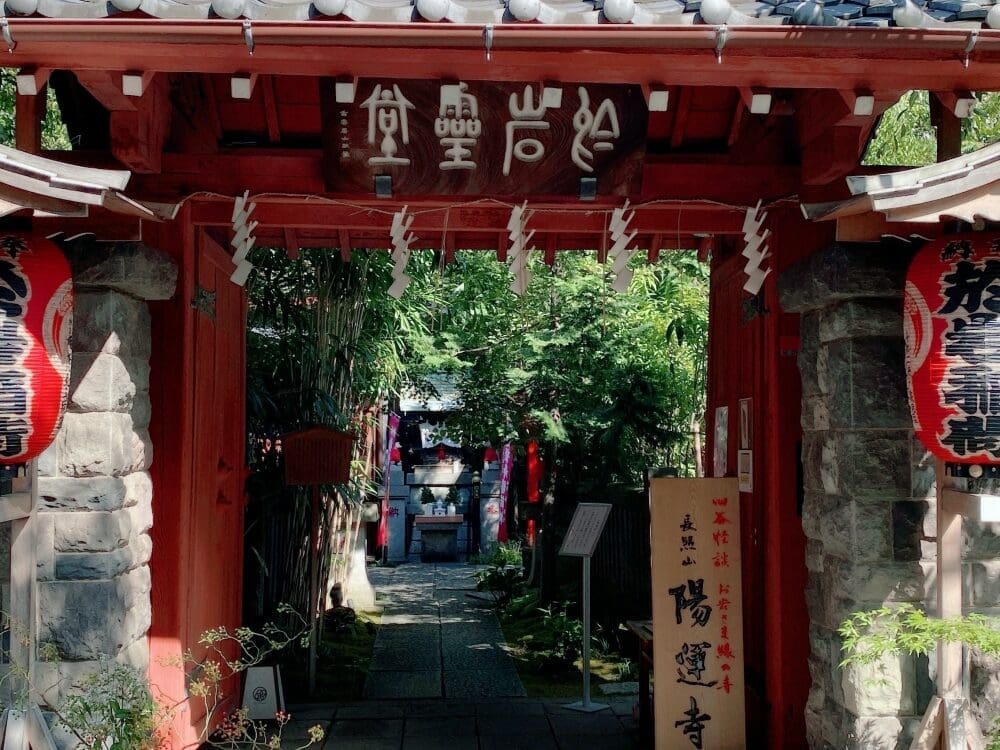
{"x":441,"y":679}
{"x":435,"y":641}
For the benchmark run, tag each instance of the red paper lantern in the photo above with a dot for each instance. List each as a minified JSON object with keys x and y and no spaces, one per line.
{"x":951,"y":324}
{"x":36,"y":319}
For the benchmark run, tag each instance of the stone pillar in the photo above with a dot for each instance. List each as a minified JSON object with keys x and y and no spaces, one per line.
{"x":868,"y":488}
{"x":95,"y":508}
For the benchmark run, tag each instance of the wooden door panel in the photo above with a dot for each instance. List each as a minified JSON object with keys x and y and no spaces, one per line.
{"x":217,"y":478}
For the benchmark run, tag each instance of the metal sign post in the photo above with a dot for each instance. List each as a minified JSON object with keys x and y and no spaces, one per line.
{"x":581,"y":541}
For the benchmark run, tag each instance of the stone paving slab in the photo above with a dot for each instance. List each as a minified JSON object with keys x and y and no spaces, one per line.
{"x":399,"y":658}
{"x":367,"y":729}
{"x":441,"y":726}
{"x":386,"y":684}
{"x":432,"y":743}
{"x":483,"y":683}
{"x":371,"y":710}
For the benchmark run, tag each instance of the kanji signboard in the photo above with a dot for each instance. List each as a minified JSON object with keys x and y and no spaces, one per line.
{"x":486,"y":138}
{"x":951,"y":324}
{"x":697,"y":614}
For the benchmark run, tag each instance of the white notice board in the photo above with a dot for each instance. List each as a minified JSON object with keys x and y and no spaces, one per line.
{"x":697,"y":614}
{"x":585,"y":529}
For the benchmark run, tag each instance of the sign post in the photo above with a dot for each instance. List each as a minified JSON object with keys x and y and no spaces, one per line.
{"x":697,"y":614}
{"x":581,"y":541}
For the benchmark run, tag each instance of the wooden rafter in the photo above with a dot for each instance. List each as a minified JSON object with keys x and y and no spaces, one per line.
{"x":106,"y":87}
{"x":270,"y":109}
{"x":138,"y":136}
{"x":680,"y":118}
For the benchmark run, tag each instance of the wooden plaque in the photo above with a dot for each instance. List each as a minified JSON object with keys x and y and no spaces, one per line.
{"x":697,"y":614}
{"x":484,"y":138}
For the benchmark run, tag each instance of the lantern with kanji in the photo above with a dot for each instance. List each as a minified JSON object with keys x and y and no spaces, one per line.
{"x":951,"y":324}
{"x":36,"y":319}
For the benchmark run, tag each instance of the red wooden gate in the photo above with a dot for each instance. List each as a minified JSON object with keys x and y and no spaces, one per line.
{"x":198,"y":390}
{"x":752,"y":354}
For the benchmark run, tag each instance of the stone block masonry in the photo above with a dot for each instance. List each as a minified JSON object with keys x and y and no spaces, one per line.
{"x":95,"y":505}
{"x":869,"y":497}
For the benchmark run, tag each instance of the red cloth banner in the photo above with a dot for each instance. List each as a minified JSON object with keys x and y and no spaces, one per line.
{"x":383,"y":518}
{"x":506,"y":466}
{"x":36,"y":319}
{"x":951,"y":325}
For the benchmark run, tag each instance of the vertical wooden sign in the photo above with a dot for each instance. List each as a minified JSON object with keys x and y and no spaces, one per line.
{"x":697,"y":614}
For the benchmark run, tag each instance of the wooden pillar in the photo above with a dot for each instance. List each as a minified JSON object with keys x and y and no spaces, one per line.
{"x":29,"y":113}
{"x":949,"y":130}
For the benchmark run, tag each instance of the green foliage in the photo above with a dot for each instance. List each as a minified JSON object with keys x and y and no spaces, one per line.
{"x":324,"y":339}
{"x":54,"y":135}
{"x":426,"y":496}
{"x":502,"y":581}
{"x":615,"y":380}
{"x":564,"y":632}
{"x":868,"y":636}
{"x":905,"y":136}
{"x":504,"y":553}
{"x":112,"y":709}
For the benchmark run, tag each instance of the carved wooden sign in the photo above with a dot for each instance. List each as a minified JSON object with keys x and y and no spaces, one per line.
{"x":483,"y":138}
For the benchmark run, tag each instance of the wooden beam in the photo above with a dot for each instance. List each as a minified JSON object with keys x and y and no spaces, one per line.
{"x":549,"y":257}
{"x":271,"y":110}
{"x":291,"y":244}
{"x":949,"y":129}
{"x":734,"y":125}
{"x":776,"y":57}
{"x":195,"y":126}
{"x":106,"y":86}
{"x":564,"y":219}
{"x":757,"y":99}
{"x":138,"y":136}
{"x":835,"y":155}
{"x":241,"y":85}
{"x":680,"y":118}
{"x":31,"y":80}
{"x":449,"y":247}
{"x":134,"y":83}
{"x":301,"y":172}
{"x":29,"y":113}
{"x":346,"y":246}
{"x":949,"y":586}
{"x":653,"y":253}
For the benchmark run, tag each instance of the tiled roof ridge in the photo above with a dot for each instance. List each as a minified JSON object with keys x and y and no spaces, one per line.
{"x":866,"y":13}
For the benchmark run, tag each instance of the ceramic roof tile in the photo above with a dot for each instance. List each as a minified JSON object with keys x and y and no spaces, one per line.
{"x":874,"y":13}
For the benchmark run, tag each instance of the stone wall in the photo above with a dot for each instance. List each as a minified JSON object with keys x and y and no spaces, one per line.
{"x":95,"y":509}
{"x":868,"y":509}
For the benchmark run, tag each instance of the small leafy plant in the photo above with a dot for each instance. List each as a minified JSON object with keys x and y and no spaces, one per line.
{"x":503,"y":582}
{"x":564,"y":632}
{"x":112,"y":709}
{"x":868,"y":636}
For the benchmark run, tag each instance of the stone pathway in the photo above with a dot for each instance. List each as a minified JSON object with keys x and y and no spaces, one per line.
{"x":435,"y":641}
{"x":441,"y":679}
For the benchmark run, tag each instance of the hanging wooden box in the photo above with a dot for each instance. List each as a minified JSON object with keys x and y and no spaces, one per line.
{"x":317,"y":455}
